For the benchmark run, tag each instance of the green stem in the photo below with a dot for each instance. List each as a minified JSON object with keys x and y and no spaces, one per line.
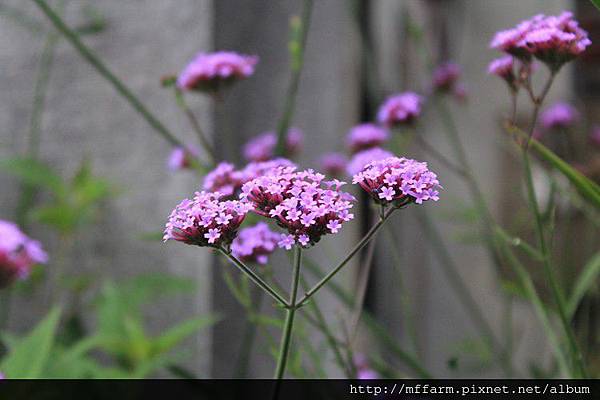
{"x":204,"y":141}
{"x":297,"y":49}
{"x":254,"y":277}
{"x":539,"y":228}
{"x":103,"y":70}
{"x":368,"y":236}
{"x":289,"y":317}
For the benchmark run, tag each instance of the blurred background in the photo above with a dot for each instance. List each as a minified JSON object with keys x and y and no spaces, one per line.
{"x":358,"y":52}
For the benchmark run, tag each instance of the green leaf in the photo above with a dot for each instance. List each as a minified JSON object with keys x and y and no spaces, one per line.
{"x":61,"y":217}
{"x":34,"y":173}
{"x":28,"y":358}
{"x":587,"y":278}
{"x":596,"y":3}
{"x":588,"y":189}
{"x":171,"y":338}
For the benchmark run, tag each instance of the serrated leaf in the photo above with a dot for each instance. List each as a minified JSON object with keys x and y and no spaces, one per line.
{"x":28,"y":358}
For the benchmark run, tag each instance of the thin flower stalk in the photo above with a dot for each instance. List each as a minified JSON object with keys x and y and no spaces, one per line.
{"x":204,"y":141}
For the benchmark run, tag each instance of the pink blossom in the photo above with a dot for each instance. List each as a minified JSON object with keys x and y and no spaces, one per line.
{"x":503,"y":67}
{"x":400,"y":109}
{"x":210,"y":71}
{"x":255,"y":243}
{"x":445,"y":76}
{"x":399,"y":181}
{"x":181,"y":158}
{"x":364,"y":157}
{"x":559,"y":116}
{"x":365,"y":136}
{"x":553,"y":40}
{"x":262,"y":147}
{"x":207,"y":220}
{"x":305,"y":205}
{"x":18,"y":253}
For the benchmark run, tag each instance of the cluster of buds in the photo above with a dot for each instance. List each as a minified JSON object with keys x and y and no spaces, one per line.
{"x":554,"y":40}
{"x":398,"y":181}
{"x":300,"y":202}
{"x":18,"y":253}
{"x":446,"y":79}
{"x":400,"y":109}
{"x":366,"y":136}
{"x":255,"y":243}
{"x":182,"y":158}
{"x":210,"y":71}
{"x":262,"y":147}
{"x":228,"y":180}
{"x":207,"y":220}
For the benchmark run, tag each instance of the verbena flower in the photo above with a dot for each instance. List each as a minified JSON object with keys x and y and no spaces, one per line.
{"x":333,"y":164}
{"x":364,"y":157}
{"x":262,"y":147}
{"x":446,"y":76}
{"x":228,"y":180}
{"x":255,"y":243}
{"x":400,"y":109}
{"x":206,"y":220}
{"x":553,"y":40}
{"x":363,"y":369}
{"x":398,"y":181}
{"x":559,"y":116}
{"x":365,"y":136}
{"x":503,"y":67}
{"x":460,"y":92}
{"x":181,"y":158}
{"x":302,"y":203}
{"x":18,"y":253}
{"x":210,"y":71}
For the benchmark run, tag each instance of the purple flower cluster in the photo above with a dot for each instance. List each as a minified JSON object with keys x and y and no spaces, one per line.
{"x":333,"y":164}
{"x":559,"y":116}
{"x":364,"y":157}
{"x":262,"y":147}
{"x":228,"y":181}
{"x":398,"y":181}
{"x":446,"y":76}
{"x":400,"y":109}
{"x":366,"y":136}
{"x":18,"y":253}
{"x":363,"y":370}
{"x":255,"y":243}
{"x":503,"y":67}
{"x":208,"y":71}
{"x":300,"y":202}
{"x":207,"y":220}
{"x":553,"y":40}
{"x":181,"y":158}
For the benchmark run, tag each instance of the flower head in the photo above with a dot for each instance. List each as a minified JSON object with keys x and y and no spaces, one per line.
{"x":400,"y":109}
{"x":553,"y":40}
{"x":228,"y":181}
{"x":445,"y":76}
{"x":364,"y":157}
{"x":302,"y":202}
{"x":262,"y":147}
{"x":209,"y":71}
{"x":18,"y":253}
{"x":503,"y":67}
{"x":398,"y":181}
{"x":207,"y":220}
{"x":181,"y":158}
{"x":559,"y":115}
{"x":255,"y":243}
{"x":365,"y":136}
